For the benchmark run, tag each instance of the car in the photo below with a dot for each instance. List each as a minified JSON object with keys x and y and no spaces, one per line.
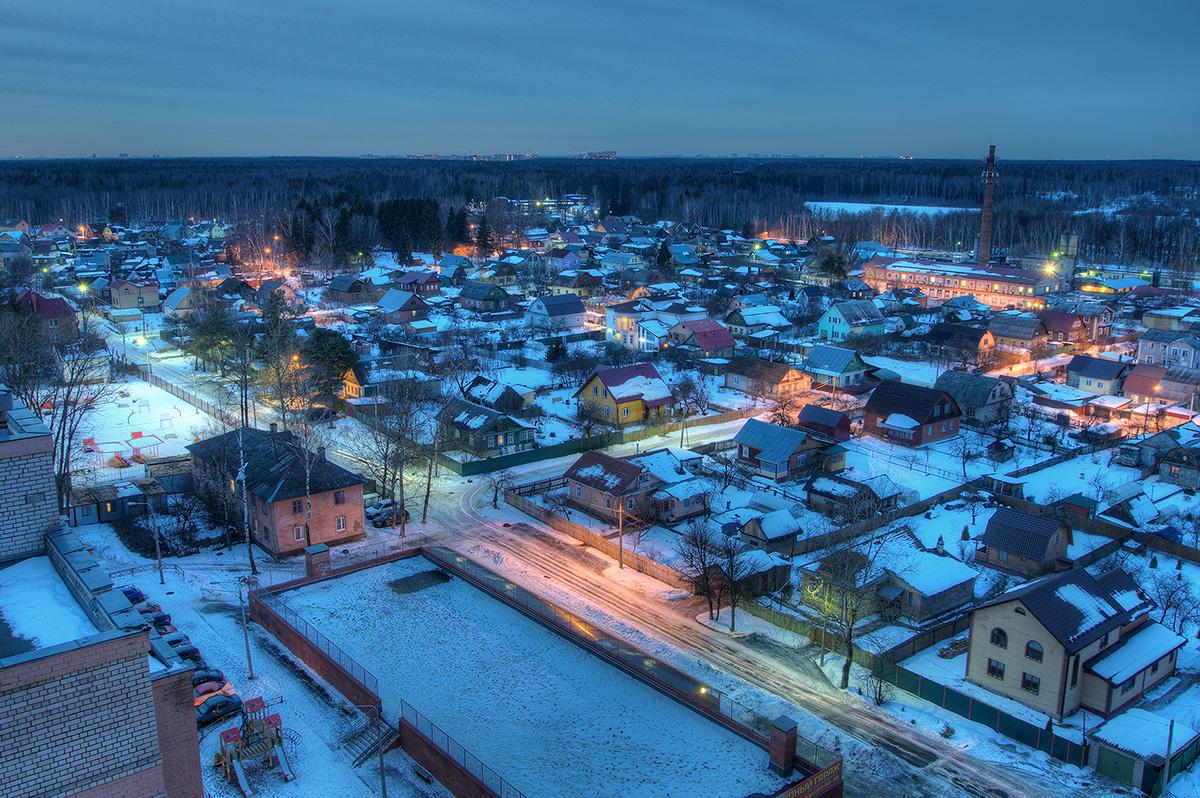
{"x":202,"y":675}
{"x":160,"y":621}
{"x":216,"y":708}
{"x":378,"y":507}
{"x":213,"y":689}
{"x":134,"y":595}
{"x":385,"y":519}
{"x":190,"y":653}
{"x":147,"y":608}
{"x":320,"y":414}
{"x":175,"y":638}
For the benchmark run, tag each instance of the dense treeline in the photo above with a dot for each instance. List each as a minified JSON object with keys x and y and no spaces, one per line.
{"x":1158,"y":200}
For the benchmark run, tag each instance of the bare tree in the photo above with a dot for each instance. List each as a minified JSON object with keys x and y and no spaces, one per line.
{"x":498,"y":481}
{"x":737,"y":572}
{"x":699,"y":557}
{"x":691,"y":397}
{"x":310,"y":434}
{"x":965,"y":451}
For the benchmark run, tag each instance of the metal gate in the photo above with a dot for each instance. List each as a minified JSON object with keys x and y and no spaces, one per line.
{"x":1115,"y":765}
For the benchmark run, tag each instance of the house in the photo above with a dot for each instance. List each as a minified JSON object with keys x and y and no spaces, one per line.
{"x":1157,"y":385}
{"x":1018,"y":332}
{"x":851,"y":499}
{"x":134,"y":294}
{"x":850,"y":318}
{"x":765,"y":378}
{"x":482,"y":431}
{"x":498,"y":396}
{"x":420,"y":282}
{"x":183,"y":301}
{"x":1169,"y":348}
{"x":374,"y":384}
{"x":1133,"y":748}
{"x":627,"y":395}
{"x":1097,"y":317}
{"x":608,"y":487}
{"x":1064,"y":328}
{"x":397,"y":306}
{"x":891,"y":574}
{"x":834,"y":368}
{"x":774,"y":452}
{"x":114,"y":501}
{"x":347,"y":290}
{"x":1180,"y":465}
{"x":484,"y":297}
{"x":910,"y":415}
{"x":1024,"y":544}
{"x":758,"y":321}
{"x":1097,"y":375}
{"x":682,"y":493}
{"x":584,"y":283}
{"x":983,"y":400}
{"x":775,"y":532}
{"x":965,"y":344}
{"x":1179,"y":318}
{"x":705,"y":337}
{"x":561,"y":259}
{"x":821,"y":422}
{"x":1071,"y":640}
{"x":55,"y":312}
{"x":275,"y":480}
{"x":556,"y":313}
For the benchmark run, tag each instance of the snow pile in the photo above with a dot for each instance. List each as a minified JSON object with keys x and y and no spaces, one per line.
{"x":37,"y":606}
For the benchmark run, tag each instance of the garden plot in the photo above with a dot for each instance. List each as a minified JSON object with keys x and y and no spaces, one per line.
{"x":545,"y":714}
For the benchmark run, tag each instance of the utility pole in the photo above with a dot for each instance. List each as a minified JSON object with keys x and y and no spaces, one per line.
{"x":620,"y":532}
{"x":245,"y":628}
{"x":157,"y":544}
{"x":382,"y":775}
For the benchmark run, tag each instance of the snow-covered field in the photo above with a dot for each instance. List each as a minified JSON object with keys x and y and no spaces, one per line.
{"x":542,"y":712}
{"x":867,"y":207}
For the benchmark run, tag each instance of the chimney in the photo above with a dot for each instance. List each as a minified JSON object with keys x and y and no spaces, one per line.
{"x":984,"y":252}
{"x":941,"y":545}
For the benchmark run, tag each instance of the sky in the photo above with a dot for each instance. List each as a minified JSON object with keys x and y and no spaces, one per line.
{"x":927,"y":78}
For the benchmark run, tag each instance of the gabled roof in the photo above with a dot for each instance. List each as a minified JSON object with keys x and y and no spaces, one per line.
{"x":1020,"y":533}
{"x":915,"y":401}
{"x":969,"y":390}
{"x":629,"y":383}
{"x":396,"y":299}
{"x":774,"y":443}
{"x":858,"y":311}
{"x":828,"y":359}
{"x":761,"y":370}
{"x":709,"y":333}
{"x":960,"y":335}
{"x":821,"y":419}
{"x":1022,"y":328}
{"x":1097,"y":368}
{"x":467,"y":415}
{"x":1072,"y":605}
{"x":560,"y":305}
{"x":481,"y":292}
{"x":605,"y":473}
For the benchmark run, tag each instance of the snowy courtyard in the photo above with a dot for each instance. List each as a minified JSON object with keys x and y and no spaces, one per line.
{"x":545,"y":714}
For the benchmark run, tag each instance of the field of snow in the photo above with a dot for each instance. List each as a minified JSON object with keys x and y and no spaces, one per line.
{"x":835,"y":208}
{"x":542,"y":712}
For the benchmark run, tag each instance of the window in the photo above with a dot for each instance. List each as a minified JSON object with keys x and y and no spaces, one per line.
{"x":297,"y":507}
{"x":1031,"y":683}
{"x":1019,"y":610}
{"x":999,"y":637}
{"x":108,"y":507}
{"x":1127,"y":686}
{"x":1154,"y":667}
{"x":1002,"y":556}
{"x":339,"y":497}
{"x":298,"y":533}
{"x":606,"y":413}
{"x":1074,"y":670}
{"x":929,"y":430}
{"x":608,"y":502}
{"x":578,"y":489}
{"x":995,"y":669}
{"x":595,"y":390}
{"x":625,"y":412}
{"x":1033,"y":650}
{"x":1104,"y":642}
{"x":943,"y":426}
{"x":339,"y":523}
{"x":1174,"y":470}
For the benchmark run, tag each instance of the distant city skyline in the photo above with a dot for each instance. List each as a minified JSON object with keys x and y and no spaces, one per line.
{"x":935,"y":79}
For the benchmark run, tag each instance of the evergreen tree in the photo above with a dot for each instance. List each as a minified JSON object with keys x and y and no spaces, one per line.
{"x":483,"y":237}
{"x":664,"y":255}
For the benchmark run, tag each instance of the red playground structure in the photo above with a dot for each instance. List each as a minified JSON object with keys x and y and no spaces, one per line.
{"x":260,"y":737}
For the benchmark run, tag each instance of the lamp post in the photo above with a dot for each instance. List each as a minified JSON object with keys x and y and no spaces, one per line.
{"x":244,"y":582}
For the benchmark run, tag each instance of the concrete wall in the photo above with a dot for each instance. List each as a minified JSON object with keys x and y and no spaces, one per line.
{"x":28,"y":502}
{"x":80,"y":719}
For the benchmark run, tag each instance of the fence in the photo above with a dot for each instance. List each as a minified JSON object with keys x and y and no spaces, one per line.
{"x":663,"y":677}
{"x":187,"y":396}
{"x":639,"y":562}
{"x":313,"y":635}
{"x":461,"y":756}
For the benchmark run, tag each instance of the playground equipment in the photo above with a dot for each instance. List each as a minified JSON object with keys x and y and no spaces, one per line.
{"x":260,"y":736}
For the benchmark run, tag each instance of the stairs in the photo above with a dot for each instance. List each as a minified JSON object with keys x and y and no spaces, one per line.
{"x":366,"y":735}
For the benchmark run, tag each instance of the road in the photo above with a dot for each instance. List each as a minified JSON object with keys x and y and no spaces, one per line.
{"x":933,"y":767}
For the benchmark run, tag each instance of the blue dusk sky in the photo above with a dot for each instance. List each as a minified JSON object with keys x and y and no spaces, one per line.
{"x":927,"y":78}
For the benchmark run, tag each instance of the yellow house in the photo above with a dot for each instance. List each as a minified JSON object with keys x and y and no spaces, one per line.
{"x":627,"y":395}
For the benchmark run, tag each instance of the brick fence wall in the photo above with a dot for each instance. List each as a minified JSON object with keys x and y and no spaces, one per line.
{"x":449,"y":773}
{"x":28,"y":503}
{"x":177,"y":737}
{"x":78,"y":717}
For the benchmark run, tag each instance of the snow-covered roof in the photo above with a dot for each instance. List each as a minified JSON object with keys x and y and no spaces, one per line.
{"x":1135,"y":653}
{"x":901,"y":421}
{"x":1143,"y":733}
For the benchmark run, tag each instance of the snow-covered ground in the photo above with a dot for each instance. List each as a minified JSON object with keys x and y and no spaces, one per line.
{"x":918,"y":372}
{"x":37,"y":608}
{"x":545,"y":714}
{"x":202,"y":599}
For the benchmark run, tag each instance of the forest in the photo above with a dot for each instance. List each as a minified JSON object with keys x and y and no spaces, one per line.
{"x":1143,"y":212}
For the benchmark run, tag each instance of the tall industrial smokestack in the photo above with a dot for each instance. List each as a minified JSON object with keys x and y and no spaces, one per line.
{"x":983,"y":253}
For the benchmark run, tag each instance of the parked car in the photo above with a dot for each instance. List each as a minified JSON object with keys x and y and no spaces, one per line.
{"x":378,"y":507}
{"x":389,"y":518}
{"x":147,"y":608}
{"x":134,"y":595}
{"x":202,"y":675}
{"x":213,"y":689}
{"x":216,"y":708}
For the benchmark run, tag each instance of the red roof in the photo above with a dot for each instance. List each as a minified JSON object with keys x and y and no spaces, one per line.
{"x":640,"y":381}
{"x":709,"y":334}
{"x":44,"y":307}
{"x":1060,"y":321}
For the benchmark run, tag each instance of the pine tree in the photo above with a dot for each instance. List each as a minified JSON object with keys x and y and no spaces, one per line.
{"x":664,"y":255}
{"x":483,"y":237}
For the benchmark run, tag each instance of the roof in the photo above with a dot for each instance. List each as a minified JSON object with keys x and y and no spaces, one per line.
{"x":962,"y":335}
{"x":709,"y":333}
{"x":560,"y":305}
{"x":858,"y":311}
{"x":1023,"y":328}
{"x":820,"y":418}
{"x":605,"y":473}
{"x":915,"y":401}
{"x":969,"y":390}
{"x":1133,"y":654}
{"x":274,"y":464}
{"x":1072,"y":605}
{"x":44,"y":307}
{"x":1061,"y":321}
{"x":396,"y":300}
{"x":827,"y":359}
{"x":1143,"y":733}
{"x":761,"y":370}
{"x":477,"y":418}
{"x":628,"y":383}
{"x":1097,"y":368}
{"x":774,"y":443}
{"x":1020,"y":533}
{"x":482,"y":291}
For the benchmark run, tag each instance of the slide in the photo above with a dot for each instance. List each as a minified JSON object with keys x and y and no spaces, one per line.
{"x":284,"y":765}
{"x":242,"y":784}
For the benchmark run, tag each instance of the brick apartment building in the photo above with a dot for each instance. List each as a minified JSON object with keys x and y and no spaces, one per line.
{"x":276,"y":481}
{"x":995,"y":286}
{"x":100,"y":709}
